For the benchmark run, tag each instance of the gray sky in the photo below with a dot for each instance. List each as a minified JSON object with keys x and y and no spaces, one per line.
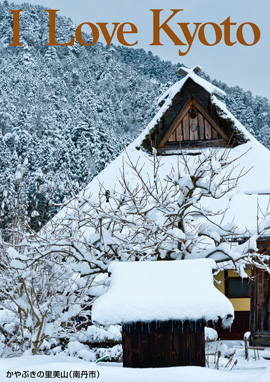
{"x":236,"y":65}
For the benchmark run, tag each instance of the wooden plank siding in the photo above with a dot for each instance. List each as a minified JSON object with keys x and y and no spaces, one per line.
{"x":214,"y":134}
{"x":201,"y":127}
{"x":186,"y":128}
{"x":194,"y":130}
{"x":163,"y":344}
{"x":208,"y":131}
{"x":260,"y":308}
{"x":179,"y":132}
{"x":194,"y":135}
{"x":260,"y":300}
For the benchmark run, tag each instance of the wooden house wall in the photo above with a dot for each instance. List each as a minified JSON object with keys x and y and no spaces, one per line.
{"x":241,"y":323}
{"x":251,"y":314}
{"x":163,"y":344}
{"x":185,"y":130}
{"x":191,"y":89}
{"x":260,"y":308}
{"x":260,"y":301}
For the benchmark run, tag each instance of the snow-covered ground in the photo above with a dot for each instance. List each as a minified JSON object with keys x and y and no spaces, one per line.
{"x":252,"y":370}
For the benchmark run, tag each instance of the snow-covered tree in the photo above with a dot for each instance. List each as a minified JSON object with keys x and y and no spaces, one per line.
{"x":47,"y":299}
{"x":154,"y":216}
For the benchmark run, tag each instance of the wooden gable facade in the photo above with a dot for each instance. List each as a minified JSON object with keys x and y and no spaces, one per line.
{"x":193,"y":126}
{"x":192,"y":120}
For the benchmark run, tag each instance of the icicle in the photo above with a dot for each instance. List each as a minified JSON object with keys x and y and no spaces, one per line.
{"x":149,"y":327}
{"x":195,"y":326}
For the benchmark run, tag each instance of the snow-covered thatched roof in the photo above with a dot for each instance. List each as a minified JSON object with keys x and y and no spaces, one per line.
{"x":241,"y":203}
{"x":175,"y":99}
{"x":161,"y":291}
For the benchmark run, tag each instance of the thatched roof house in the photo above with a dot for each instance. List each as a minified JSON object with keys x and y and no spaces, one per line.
{"x":193,"y":119}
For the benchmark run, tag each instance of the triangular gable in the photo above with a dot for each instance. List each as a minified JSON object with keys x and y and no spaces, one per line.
{"x":193,"y":126}
{"x":176,"y":126}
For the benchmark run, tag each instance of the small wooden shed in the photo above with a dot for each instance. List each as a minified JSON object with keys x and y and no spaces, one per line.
{"x":163,"y":307}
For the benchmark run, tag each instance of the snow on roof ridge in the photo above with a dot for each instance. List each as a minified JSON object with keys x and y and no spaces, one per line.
{"x":187,"y":73}
{"x":170,"y":93}
{"x":183,"y":71}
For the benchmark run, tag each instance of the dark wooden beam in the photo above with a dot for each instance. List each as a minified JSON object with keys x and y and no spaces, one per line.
{"x":176,"y":121}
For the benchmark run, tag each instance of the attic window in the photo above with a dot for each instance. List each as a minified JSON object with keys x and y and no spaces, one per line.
{"x":193,"y":113}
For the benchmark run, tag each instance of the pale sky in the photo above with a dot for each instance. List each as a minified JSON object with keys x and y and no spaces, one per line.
{"x":246,"y":66}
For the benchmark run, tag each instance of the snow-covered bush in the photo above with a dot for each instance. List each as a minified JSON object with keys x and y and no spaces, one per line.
{"x":45,"y":300}
{"x":89,"y":353}
{"x":89,"y":344}
{"x":210,"y":334}
{"x":94,"y":334}
{"x":9,"y":328}
{"x":113,"y":354}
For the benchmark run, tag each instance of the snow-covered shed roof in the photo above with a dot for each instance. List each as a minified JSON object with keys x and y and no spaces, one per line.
{"x":241,"y":204}
{"x":161,"y":291}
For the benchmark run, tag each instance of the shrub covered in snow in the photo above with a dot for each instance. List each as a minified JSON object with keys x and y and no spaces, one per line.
{"x":46,"y":300}
{"x":9,"y":333}
{"x":88,"y":353}
{"x":95,"y":334}
{"x":210,"y":334}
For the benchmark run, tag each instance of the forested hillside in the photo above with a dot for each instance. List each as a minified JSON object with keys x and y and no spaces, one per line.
{"x":65,"y":112}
